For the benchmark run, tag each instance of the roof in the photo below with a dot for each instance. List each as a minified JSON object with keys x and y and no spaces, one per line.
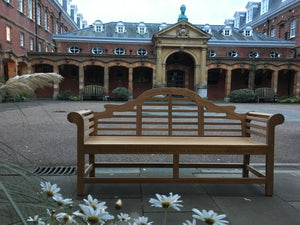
{"x":109,"y":35}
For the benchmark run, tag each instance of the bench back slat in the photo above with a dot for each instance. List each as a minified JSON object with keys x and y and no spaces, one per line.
{"x":169,"y":112}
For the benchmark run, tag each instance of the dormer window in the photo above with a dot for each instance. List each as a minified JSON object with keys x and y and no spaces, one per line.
{"x":207,"y":29}
{"x":250,"y":10}
{"x":248,"y":31}
{"x":141,"y":29}
{"x":264,"y":7}
{"x":162,"y":26}
{"x":98,"y":26}
{"x":120,"y":28}
{"x":227,"y":31}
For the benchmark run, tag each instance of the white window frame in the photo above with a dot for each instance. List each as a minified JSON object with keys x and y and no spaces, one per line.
{"x":31,"y":44}
{"x":293,"y":29}
{"x":22,"y":39}
{"x":120,"y":28}
{"x":275,"y":55}
{"x":264,"y":7}
{"x":162,"y":26}
{"x":21,"y":6}
{"x":46,"y":21}
{"x":40,"y":47}
{"x":97,"y":51}
{"x":253,"y":54}
{"x":30,"y":14}
{"x":249,"y":15}
{"x":272,"y":33}
{"x":141,"y":52}
{"x":74,"y":50}
{"x":8,"y":33}
{"x":38,"y":14}
{"x":207,"y":29}
{"x":141,"y":29}
{"x":119,"y":51}
{"x":248,"y":32}
{"x":232,"y":54}
{"x":227,"y":31}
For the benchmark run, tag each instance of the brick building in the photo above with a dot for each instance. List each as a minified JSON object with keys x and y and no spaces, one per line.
{"x":27,"y":26}
{"x":211,"y":59}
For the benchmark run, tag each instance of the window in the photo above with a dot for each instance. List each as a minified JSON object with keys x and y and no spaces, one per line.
{"x":227,"y":31}
{"x":97,"y":50}
{"x":249,"y":15}
{"x":22,"y":40}
{"x":232,"y":54}
{"x":264,"y":6}
{"x":293,"y":29}
{"x":20,"y":5}
{"x":237,"y":22}
{"x":141,"y":51}
{"x":56,"y":28}
{"x":272,"y":33}
{"x":8,"y":34}
{"x":248,"y":31}
{"x":74,"y":50}
{"x":207,"y":29}
{"x":253,"y":54}
{"x":31,"y":44}
{"x":98,"y":26}
{"x":6,"y":1}
{"x":142,"y":29}
{"x":46,"y":21}
{"x":38,"y":14}
{"x":211,"y":53}
{"x":40,"y":47}
{"x":274,"y":54}
{"x":120,"y":28}
{"x":119,"y":51}
{"x":162,"y":26}
{"x":30,"y":9}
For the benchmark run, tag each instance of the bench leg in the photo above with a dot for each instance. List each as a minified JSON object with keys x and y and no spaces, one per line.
{"x":92,"y":161}
{"x":246,"y":163}
{"x":269,"y":175}
{"x":80,"y":173}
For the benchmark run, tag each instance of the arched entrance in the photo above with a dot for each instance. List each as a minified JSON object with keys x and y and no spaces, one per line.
{"x":45,"y":92}
{"x":180,"y":70}
{"x":285,"y":83}
{"x":142,"y":80}
{"x":216,"y":83}
{"x":118,"y":77}
{"x":71,"y":79}
{"x":93,"y":75}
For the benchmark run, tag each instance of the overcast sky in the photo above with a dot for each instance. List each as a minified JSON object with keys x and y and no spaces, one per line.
{"x":213,"y":12}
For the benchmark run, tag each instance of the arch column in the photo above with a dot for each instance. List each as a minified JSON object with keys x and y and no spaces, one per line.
{"x":106,"y":79}
{"x":81,"y":80}
{"x":251,"y":79}
{"x":160,"y":67}
{"x":274,"y":81}
{"x":130,"y":80}
{"x":297,"y":84}
{"x":203,"y":77}
{"x":228,"y":82}
{"x":55,"y":85}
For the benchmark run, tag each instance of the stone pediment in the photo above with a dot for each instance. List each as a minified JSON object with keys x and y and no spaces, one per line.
{"x":182,"y":30}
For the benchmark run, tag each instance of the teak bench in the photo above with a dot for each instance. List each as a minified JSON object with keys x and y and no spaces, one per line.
{"x":265,"y":93}
{"x":174,"y":121}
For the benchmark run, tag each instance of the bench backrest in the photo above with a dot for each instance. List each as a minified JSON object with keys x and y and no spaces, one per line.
{"x":265,"y":92}
{"x":93,"y":90}
{"x":169,"y":112}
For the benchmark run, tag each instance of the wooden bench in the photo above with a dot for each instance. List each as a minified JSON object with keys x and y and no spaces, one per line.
{"x":93,"y":92}
{"x":265,"y":93}
{"x":174,"y":121}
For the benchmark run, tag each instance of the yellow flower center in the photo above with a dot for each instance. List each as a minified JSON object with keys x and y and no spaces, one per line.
{"x":209,"y":221}
{"x":165,"y":204}
{"x":66,"y":218}
{"x":60,"y":203}
{"x":94,"y":206}
{"x":93,"y":219}
{"x":142,"y":223}
{"x":50,"y":193}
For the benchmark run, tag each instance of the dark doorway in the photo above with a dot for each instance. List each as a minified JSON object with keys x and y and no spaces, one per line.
{"x":175,"y":78}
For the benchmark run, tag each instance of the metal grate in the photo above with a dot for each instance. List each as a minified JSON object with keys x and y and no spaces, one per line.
{"x":55,"y":170}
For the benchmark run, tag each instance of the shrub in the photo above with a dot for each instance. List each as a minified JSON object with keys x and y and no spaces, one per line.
{"x":290,"y":100}
{"x":122,"y":93}
{"x":158,"y":85}
{"x":242,"y":95}
{"x":64,"y":95}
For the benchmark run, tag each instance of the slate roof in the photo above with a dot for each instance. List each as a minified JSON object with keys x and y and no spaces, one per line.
{"x":109,"y":35}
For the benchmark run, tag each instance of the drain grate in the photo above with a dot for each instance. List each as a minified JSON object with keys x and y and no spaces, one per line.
{"x":55,"y":170}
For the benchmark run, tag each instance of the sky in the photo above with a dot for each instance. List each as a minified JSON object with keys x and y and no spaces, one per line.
{"x":212,"y":12}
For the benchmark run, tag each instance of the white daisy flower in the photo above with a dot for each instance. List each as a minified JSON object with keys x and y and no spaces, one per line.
{"x":210,"y":217}
{"x":171,"y":201}
{"x":124,"y":217}
{"x":187,"y":222}
{"x":64,"y":218}
{"x":92,"y":215}
{"x":61,"y":201}
{"x":36,"y":220}
{"x":142,"y":221}
{"x":51,"y":190}
{"x":93,"y":202}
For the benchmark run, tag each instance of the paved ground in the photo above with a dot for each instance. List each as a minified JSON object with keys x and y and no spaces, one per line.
{"x":38,"y":134}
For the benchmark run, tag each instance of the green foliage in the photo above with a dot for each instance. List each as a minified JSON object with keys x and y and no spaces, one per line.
{"x":290,"y":100}
{"x":158,"y":85}
{"x":20,"y":97}
{"x":242,"y":95}
{"x":66,"y":95}
{"x":122,"y":93}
